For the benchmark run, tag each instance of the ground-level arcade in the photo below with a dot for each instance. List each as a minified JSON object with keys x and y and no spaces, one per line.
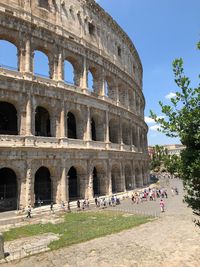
{"x":59,"y":177}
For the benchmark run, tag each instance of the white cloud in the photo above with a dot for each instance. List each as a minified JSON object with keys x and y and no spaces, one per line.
{"x":170,"y":95}
{"x":154,"y":127}
{"x":149,"y":120}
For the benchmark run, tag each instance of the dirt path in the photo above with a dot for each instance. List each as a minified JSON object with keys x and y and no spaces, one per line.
{"x":172,"y":240}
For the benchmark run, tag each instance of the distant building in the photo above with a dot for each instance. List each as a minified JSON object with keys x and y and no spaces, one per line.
{"x":174,"y":149}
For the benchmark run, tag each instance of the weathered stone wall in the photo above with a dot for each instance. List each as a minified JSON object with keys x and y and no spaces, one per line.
{"x":83,"y":34}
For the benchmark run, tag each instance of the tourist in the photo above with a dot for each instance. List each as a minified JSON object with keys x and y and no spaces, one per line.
{"x":51,"y":207}
{"x":62,"y":205}
{"x":68,"y":207}
{"x":29,"y":212}
{"x":78,"y":204}
{"x":96,"y":201}
{"x":162,"y":205}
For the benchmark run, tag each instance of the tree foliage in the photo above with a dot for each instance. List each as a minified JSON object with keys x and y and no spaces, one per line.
{"x":182,"y":119}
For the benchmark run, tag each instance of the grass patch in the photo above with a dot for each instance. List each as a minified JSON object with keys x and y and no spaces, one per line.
{"x":80,"y":227}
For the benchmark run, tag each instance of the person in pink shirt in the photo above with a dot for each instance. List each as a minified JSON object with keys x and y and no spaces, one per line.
{"x":162,"y":205}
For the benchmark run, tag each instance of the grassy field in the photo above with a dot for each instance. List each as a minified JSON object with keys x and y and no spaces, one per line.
{"x":80,"y":227}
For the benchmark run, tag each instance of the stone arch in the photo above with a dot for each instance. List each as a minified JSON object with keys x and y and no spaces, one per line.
{"x":75,"y":70}
{"x":74,"y":124}
{"x":122,"y":94}
{"x":116,"y":178}
{"x":128,"y":177}
{"x":8,"y":119}
{"x":41,"y":63}
{"x":110,"y":87}
{"x":8,"y":189}
{"x":9,"y":47}
{"x":114,"y":131}
{"x":134,"y":136}
{"x":137,"y":177}
{"x":42,"y":122}
{"x":126,"y":135}
{"x":99,"y":180}
{"x":97,"y":128}
{"x":76,"y":182}
{"x":43,"y":186}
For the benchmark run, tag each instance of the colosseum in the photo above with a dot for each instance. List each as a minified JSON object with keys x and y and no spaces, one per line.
{"x":63,"y":140}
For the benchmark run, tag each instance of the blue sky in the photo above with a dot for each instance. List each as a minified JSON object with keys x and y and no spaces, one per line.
{"x":161,"y":31}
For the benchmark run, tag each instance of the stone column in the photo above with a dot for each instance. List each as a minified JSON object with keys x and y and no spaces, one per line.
{"x":88,"y":128}
{"x":107,"y":128}
{"x":133,"y":176}
{"x":120,"y":133}
{"x":90,"y":181}
{"x":22,"y":114}
{"x":60,"y":71}
{"x":84,"y":76}
{"x":28,"y":116}
{"x":64,"y":183}
{"x":62,"y":120}
{"x":28,"y":59}
{"x":109,"y":178}
{"x":30,"y":198}
{"x":117,"y":94}
{"x":123,"y":181}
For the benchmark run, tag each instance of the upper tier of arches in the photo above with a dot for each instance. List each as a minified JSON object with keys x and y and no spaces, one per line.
{"x":70,"y":68}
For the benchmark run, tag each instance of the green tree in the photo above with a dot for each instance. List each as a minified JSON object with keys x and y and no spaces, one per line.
{"x":182,"y":119}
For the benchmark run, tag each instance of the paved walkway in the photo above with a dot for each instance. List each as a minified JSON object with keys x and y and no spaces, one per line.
{"x":172,"y":240}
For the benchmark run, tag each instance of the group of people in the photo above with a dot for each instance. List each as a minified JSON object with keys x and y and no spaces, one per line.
{"x":148,"y":194}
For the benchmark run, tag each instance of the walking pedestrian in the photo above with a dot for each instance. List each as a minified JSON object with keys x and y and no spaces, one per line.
{"x":29,"y":212}
{"x":51,"y":208}
{"x":162,"y":205}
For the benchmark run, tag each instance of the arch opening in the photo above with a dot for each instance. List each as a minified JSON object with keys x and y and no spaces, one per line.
{"x":73,"y":184}
{"x":71,"y":126}
{"x":43,"y":187}
{"x":69,"y":72}
{"x":8,"y":190}
{"x":42,"y":122}
{"x":41,"y":64}
{"x":116,"y":179}
{"x":8,"y":55}
{"x":114,"y":131}
{"x":93,"y":130}
{"x":128,"y":178}
{"x":90,"y":81}
{"x":8,"y":119}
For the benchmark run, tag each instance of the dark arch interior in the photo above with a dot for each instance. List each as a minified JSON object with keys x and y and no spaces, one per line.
{"x":71,"y":126}
{"x":8,"y":119}
{"x":93,"y":130}
{"x":73,"y":184}
{"x":42,"y":187}
{"x":8,"y":190}
{"x":96,"y":184}
{"x":128,"y":179}
{"x":42,"y":122}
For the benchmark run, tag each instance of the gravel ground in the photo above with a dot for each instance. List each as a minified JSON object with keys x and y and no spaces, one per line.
{"x":171,"y":240}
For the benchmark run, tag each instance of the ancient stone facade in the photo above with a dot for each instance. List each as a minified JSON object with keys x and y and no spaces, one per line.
{"x":62,"y":141}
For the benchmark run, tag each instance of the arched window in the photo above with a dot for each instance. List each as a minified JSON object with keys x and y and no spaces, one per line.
{"x":90,"y":81}
{"x":96,"y":183}
{"x":43,"y":187}
{"x":68,"y":72}
{"x":71,"y":126}
{"x":114,"y":131}
{"x":8,"y":55}
{"x":42,"y":122}
{"x":8,"y":190}
{"x":8,"y":119}
{"x":41,"y":64}
{"x":106,"y":89}
{"x":128,"y":178}
{"x":93,"y":130}
{"x":116,"y":179}
{"x":73,"y":184}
